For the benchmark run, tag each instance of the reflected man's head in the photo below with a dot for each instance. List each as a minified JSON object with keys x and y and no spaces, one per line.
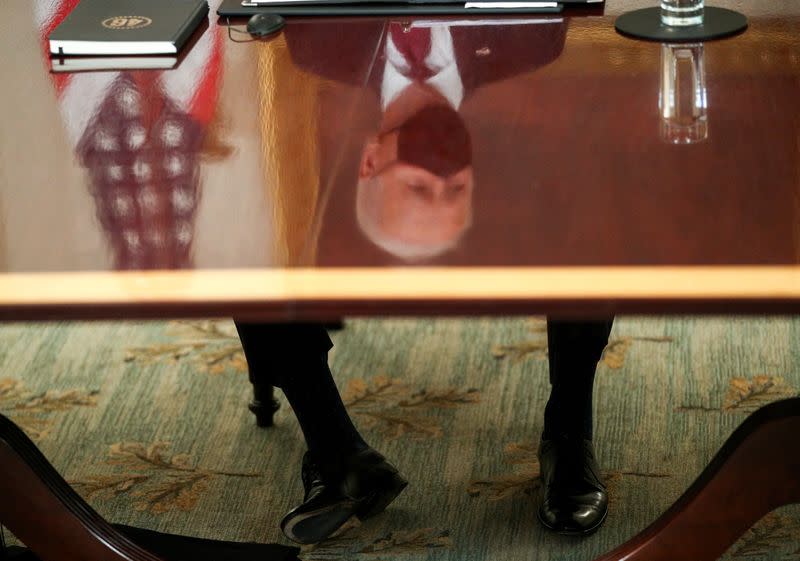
{"x":415,"y":185}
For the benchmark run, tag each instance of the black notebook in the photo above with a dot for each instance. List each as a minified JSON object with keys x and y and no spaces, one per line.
{"x":127,"y":27}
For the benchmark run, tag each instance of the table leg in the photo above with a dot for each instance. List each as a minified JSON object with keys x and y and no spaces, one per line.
{"x":756,"y":471}
{"x":264,"y":405}
{"x":43,"y":511}
{"x":56,"y":524}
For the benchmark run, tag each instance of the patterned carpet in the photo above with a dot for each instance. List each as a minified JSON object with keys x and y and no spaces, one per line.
{"x":149,"y":422}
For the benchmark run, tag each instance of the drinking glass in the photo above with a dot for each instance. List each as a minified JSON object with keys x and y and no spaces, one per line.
{"x":682,"y":100}
{"x":680,"y":13}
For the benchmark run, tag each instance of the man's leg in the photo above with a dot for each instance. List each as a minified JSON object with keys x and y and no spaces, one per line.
{"x":342,"y":475}
{"x":575,"y":499}
{"x":574,"y":349}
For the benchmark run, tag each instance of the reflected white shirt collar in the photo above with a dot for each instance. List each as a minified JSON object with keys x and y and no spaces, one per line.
{"x":441,"y":60}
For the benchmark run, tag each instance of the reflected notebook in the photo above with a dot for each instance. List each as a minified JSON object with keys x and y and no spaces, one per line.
{"x":82,"y":63}
{"x":127,"y":27}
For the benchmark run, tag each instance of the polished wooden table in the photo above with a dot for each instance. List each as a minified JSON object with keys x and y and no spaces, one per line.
{"x":260,"y":179}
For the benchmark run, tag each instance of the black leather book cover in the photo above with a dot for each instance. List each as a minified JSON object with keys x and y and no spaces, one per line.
{"x":125,"y":27}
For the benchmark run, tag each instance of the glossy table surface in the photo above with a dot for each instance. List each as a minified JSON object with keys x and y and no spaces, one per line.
{"x":304,"y":176}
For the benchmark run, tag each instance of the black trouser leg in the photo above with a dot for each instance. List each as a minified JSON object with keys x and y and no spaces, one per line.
{"x":294,"y":357}
{"x":574,"y":348}
{"x":334,"y":325}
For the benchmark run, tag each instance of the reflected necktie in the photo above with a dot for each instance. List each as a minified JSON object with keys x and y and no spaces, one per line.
{"x":414,"y":43}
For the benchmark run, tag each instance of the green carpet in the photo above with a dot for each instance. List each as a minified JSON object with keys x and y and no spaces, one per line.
{"x":149,"y":422}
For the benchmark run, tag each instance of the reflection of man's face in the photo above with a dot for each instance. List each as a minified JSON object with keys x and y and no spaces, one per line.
{"x":415,"y":185}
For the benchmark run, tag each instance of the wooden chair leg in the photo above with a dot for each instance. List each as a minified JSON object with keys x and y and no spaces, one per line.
{"x":756,"y":471}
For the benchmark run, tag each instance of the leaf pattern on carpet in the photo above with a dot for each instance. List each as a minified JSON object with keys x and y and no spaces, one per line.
{"x":31,"y":411}
{"x":617,"y":349}
{"x":613,"y":479}
{"x":158,"y":481}
{"x":396,"y":409}
{"x":535,"y":348}
{"x":521,"y":350}
{"x":505,"y":486}
{"x":613,"y":355}
{"x":747,"y":395}
{"x":415,"y":541}
{"x":408,"y":542}
{"x":525,"y":480}
{"x":212,"y":345}
{"x":773,"y":534}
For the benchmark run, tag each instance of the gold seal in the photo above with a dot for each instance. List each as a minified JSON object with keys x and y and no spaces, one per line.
{"x":127,"y":22}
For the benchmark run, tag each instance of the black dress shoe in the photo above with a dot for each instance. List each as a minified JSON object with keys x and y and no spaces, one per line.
{"x":360,"y":485}
{"x":575,"y":500}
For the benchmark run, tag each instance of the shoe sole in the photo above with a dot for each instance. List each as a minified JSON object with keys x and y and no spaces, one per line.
{"x":315,"y":526}
{"x":318,"y":525}
{"x":586,"y":532}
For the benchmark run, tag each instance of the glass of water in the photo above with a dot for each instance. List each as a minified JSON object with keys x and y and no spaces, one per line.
{"x":683,"y":101}
{"x":681,"y":13}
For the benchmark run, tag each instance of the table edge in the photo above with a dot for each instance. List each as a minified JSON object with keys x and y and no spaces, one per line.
{"x":292,"y":293}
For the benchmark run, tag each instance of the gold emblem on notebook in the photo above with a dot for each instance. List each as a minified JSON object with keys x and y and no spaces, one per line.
{"x":127,"y":22}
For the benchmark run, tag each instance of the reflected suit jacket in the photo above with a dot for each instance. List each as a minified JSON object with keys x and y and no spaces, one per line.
{"x":484,"y":53}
